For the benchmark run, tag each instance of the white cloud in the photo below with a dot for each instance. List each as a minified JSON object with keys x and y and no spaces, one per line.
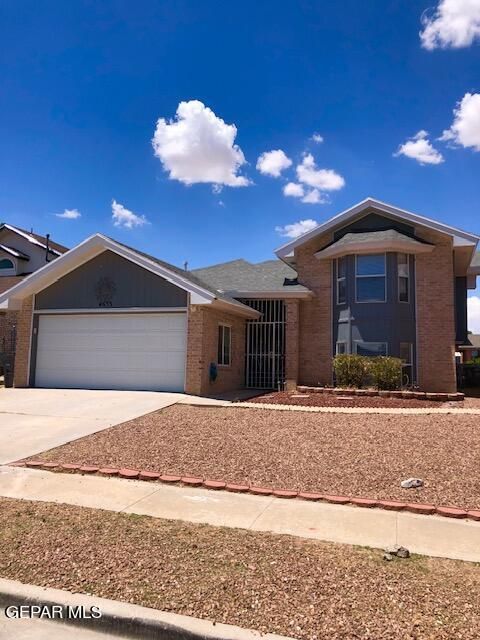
{"x":317,"y":138}
{"x":473,"y":308}
{"x":69,"y":214}
{"x":297,"y":228}
{"x":272,"y":163}
{"x":420,"y":148}
{"x":323,"y":179}
{"x":197,"y":146}
{"x":465,"y":129}
{"x":315,"y":197}
{"x":293,"y":189}
{"x":123,"y":217}
{"x":454,"y":23}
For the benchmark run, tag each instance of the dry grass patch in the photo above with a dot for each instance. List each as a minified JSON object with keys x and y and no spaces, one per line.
{"x":301,"y":588}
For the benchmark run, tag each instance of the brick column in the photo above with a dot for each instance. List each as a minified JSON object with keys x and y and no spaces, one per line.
{"x":291,"y":344}
{"x":22,"y":354}
{"x":435,"y":297}
{"x":315,"y":367}
{"x":195,"y":350}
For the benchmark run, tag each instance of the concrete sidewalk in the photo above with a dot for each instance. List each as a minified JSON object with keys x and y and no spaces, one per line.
{"x":427,"y":535}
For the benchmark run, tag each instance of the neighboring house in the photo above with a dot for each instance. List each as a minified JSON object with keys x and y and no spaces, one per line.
{"x":471,"y":348}
{"x":21,"y":253}
{"x":372,"y":280}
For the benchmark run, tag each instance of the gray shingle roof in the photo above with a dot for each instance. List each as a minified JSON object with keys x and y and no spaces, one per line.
{"x":388,"y":235}
{"x":239,"y":276}
{"x":476,"y":260}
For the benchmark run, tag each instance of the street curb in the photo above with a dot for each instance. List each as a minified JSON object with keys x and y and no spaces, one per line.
{"x":123,"y":619}
{"x":362,"y":502}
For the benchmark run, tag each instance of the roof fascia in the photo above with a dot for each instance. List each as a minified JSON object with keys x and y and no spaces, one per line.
{"x":271,"y":295}
{"x":385,"y":208}
{"x":237,"y":308}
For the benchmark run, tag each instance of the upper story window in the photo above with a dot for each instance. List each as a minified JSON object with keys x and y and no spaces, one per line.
{"x":370,"y":277}
{"x":403,"y":270}
{"x":224,"y":345}
{"x":7,"y":268}
{"x":341,"y":280}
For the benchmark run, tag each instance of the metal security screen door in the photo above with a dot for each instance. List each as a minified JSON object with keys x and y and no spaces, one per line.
{"x":265,"y":348}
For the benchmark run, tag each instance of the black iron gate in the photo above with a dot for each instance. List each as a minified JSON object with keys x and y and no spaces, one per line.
{"x":265,"y":345}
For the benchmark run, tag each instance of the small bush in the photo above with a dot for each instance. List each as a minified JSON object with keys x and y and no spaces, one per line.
{"x":350,"y":370}
{"x":386,"y":372}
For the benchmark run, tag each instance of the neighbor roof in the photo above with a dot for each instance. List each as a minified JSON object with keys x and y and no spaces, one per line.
{"x":459,"y":237}
{"x":14,"y":252}
{"x":35,"y":238}
{"x":240,"y":276}
{"x":473,"y":340}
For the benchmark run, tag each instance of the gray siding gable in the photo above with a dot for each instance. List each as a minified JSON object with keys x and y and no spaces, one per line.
{"x":110,"y":281}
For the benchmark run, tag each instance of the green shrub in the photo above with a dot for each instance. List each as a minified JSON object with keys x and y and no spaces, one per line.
{"x":350,"y":370}
{"x":385,"y":372}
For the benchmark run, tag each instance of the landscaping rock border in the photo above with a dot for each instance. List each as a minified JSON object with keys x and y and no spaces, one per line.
{"x":401,"y":395}
{"x":281,"y":493}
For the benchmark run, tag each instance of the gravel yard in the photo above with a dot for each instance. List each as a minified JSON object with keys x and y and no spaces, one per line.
{"x":294,"y":587}
{"x":362,"y":455}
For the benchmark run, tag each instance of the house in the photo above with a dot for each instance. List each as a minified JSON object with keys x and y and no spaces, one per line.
{"x":373,"y":280}
{"x":21,"y":253}
{"x":471,"y":348}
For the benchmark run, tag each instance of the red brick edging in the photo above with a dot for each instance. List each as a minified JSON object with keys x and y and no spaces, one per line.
{"x":193,"y":481}
{"x":402,"y":395}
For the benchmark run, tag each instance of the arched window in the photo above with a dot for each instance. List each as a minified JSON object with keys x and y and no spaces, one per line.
{"x":6,"y":264}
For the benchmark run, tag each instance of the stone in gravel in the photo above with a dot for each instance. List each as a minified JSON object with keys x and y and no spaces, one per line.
{"x":403,"y":552}
{"x":388,"y":557}
{"x":411,"y":483}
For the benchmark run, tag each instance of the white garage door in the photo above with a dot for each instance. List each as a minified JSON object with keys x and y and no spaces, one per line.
{"x":112,"y":351}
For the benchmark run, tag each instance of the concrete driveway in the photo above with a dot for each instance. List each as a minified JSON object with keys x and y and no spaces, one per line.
{"x":33,"y":420}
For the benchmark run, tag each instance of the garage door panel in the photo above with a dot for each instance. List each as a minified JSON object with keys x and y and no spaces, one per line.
{"x":117,"y":351}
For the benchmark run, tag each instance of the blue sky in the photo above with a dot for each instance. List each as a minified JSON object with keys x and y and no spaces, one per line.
{"x":84,"y":83}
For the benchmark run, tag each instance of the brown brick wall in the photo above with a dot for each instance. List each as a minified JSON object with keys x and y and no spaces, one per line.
{"x":292,"y":333}
{"x":436,"y":315}
{"x":22,"y":356}
{"x":315,"y":336}
{"x":202,"y":344}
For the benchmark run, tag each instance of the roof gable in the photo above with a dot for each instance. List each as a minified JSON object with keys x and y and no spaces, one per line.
{"x":460,"y":238}
{"x":200,"y":293}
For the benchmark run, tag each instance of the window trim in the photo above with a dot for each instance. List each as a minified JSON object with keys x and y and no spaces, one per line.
{"x":223,"y":326}
{"x":344,"y":342}
{"x":340,"y":278}
{"x":407,"y":278}
{"x":377,"y":275}
{"x":357,"y":342}
{"x":9,"y":271}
